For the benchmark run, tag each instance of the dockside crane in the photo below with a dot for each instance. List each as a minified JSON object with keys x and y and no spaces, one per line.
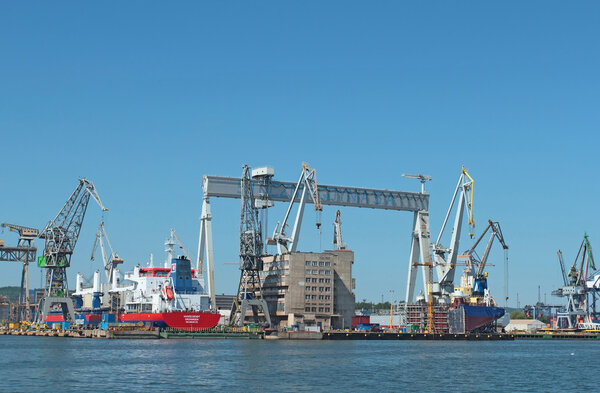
{"x":249,"y":294}
{"x":61,"y":235}
{"x":110,"y":261}
{"x":582,"y":290}
{"x":25,"y":252}
{"x":477,"y":279}
{"x":445,"y":258}
{"x":307,"y":184}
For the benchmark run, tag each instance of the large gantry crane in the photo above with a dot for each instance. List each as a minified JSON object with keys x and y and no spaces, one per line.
{"x":266,"y":191}
{"x":581,"y":287}
{"x":61,"y":235}
{"x":24,"y":252}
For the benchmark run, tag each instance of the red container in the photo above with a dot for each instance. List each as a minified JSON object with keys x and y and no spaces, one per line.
{"x":360,"y":319}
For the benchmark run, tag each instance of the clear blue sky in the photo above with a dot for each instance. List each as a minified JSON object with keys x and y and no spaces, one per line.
{"x":143,"y":98}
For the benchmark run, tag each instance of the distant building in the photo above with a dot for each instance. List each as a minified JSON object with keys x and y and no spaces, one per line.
{"x":4,"y":308}
{"x":224,"y":302}
{"x":310,"y":289}
{"x":525,"y":325}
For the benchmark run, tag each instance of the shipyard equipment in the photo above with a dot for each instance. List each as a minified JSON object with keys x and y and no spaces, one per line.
{"x":445,"y":258}
{"x":337,"y":232}
{"x":61,"y":235}
{"x":474,"y":278}
{"x":422,"y":178}
{"x":581,"y":287}
{"x":24,"y":252}
{"x":249,"y":293}
{"x":279,"y":191}
{"x":110,"y":261}
{"x":307,"y":184}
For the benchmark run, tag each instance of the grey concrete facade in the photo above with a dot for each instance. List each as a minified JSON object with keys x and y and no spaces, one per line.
{"x":310,"y":289}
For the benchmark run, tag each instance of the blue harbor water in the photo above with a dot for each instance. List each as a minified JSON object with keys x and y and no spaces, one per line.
{"x":38,"y":364}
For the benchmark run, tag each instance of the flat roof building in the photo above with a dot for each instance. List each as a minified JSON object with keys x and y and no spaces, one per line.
{"x":310,"y":289}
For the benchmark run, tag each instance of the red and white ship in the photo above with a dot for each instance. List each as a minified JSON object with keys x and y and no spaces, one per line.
{"x":171,"y":296}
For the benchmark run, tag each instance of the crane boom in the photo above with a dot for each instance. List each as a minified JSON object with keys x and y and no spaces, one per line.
{"x":562,"y":267}
{"x":308,"y":183}
{"x":181,"y":245}
{"x":496,"y":233}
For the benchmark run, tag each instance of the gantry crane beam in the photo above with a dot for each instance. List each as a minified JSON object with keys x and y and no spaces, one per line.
{"x":229,"y":187}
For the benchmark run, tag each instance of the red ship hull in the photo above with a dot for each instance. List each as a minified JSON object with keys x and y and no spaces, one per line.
{"x":182,"y":320}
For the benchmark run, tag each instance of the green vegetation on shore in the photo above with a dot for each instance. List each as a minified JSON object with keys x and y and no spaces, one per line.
{"x":12,"y":293}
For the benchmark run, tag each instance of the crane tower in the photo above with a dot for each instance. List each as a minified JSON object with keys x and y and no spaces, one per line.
{"x":251,"y":251}
{"x":61,"y":235}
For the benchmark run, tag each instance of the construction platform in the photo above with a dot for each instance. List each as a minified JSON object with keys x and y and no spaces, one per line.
{"x":417,"y":336}
{"x":170,"y":334}
{"x":557,"y":336}
{"x":129,"y":332}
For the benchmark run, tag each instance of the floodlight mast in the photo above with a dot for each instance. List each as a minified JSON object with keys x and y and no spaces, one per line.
{"x":422,"y":178}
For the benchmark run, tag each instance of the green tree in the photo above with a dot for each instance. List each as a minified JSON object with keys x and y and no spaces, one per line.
{"x":517,"y":315}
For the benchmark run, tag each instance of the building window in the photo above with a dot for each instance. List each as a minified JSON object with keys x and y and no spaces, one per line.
{"x":321,"y":297}
{"x":321,"y":263}
{"x":314,"y":263}
{"x":307,"y":309}
{"x":321,"y":272}
{"x":327,"y":272}
{"x":314,"y":280}
{"x":314,"y":309}
{"x":326,"y":309}
{"x":314,"y":297}
{"x":314,"y":288}
{"x":321,"y":280}
{"x":327,"y":263}
{"x":307,"y":289}
{"x":307,"y":271}
{"x":320,"y":309}
{"x":314,"y":272}
{"x":327,"y":297}
{"x":307,"y":263}
{"x":307,"y":297}
{"x":327,"y":289}
{"x":320,"y":289}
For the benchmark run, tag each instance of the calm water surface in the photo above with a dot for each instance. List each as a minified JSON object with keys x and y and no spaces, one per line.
{"x":43,"y":364}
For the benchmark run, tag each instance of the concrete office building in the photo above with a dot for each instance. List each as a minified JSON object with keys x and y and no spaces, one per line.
{"x":310,"y":289}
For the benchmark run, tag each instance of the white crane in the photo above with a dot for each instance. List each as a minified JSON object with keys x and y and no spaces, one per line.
{"x":337,"y":231}
{"x":308,"y":182}
{"x":110,"y":261}
{"x":445,"y":258}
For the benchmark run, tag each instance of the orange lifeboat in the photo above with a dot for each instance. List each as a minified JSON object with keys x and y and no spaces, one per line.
{"x":167,"y":292}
